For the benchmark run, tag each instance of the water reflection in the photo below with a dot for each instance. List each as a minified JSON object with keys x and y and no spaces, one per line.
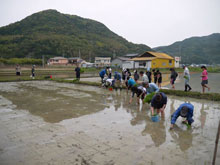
{"x":182,"y":138}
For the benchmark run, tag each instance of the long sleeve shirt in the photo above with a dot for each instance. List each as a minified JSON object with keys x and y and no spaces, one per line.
{"x":152,"y":88}
{"x":189,"y":116}
{"x":158,"y":105}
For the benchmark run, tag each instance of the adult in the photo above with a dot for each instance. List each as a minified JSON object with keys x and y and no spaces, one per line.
{"x":155,"y":76}
{"x":173,"y":77}
{"x":136,"y":75}
{"x":159,"y":78}
{"x":18,"y":70}
{"x":150,"y":88}
{"x":102,"y":74}
{"x":159,"y":102}
{"x":186,"y":76}
{"x":148,"y":73}
{"x":143,"y":77}
{"x":109,"y":73}
{"x":204,"y":79}
{"x":77,"y":70}
{"x":131,"y":82}
{"x":185,"y":110}
{"x":140,"y":91}
{"x":33,"y":72}
{"x":117,"y":78}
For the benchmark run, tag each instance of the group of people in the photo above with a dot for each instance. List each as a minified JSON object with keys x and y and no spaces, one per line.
{"x":141,"y":86}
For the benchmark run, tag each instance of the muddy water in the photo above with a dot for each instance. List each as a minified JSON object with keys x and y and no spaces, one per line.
{"x":57,"y":123}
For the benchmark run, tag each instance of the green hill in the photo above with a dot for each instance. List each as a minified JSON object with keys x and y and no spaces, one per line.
{"x":198,"y":50}
{"x":51,"y":33}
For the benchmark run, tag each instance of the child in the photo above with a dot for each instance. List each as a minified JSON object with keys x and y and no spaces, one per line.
{"x":185,"y":110}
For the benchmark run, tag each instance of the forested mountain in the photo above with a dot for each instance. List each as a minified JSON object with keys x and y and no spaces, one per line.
{"x":51,"y":33}
{"x":198,"y":50}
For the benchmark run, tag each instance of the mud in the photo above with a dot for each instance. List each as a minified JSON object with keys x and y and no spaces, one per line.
{"x":45,"y":122}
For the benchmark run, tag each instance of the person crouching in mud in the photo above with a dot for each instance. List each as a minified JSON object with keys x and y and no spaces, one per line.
{"x":185,"y":110}
{"x":140,"y":91}
{"x":117,"y":79}
{"x":159,"y":102}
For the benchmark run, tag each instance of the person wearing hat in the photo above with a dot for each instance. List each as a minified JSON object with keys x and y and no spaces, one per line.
{"x":158,"y":102}
{"x":185,"y":110}
{"x":186,"y":76}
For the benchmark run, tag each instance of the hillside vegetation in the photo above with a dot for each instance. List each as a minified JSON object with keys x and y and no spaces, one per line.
{"x":198,"y":50}
{"x":51,"y":33}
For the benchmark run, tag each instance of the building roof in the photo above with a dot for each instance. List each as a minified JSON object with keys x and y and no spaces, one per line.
{"x":142,"y":58}
{"x":159,"y":55}
{"x":123,"y":58}
{"x":59,"y":58}
{"x":103,"y":57}
{"x":74,"y":58}
{"x":131,"y":55}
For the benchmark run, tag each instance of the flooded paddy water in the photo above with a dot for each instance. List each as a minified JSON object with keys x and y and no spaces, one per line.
{"x":44,"y":122}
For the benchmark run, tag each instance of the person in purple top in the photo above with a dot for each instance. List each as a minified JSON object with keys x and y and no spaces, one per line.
{"x":185,"y":110}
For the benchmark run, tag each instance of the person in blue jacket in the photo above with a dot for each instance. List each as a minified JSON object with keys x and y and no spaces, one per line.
{"x":117,"y":78}
{"x":102,"y":74}
{"x":185,"y":110}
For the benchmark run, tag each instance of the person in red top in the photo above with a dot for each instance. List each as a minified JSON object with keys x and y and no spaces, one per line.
{"x":204,"y":79}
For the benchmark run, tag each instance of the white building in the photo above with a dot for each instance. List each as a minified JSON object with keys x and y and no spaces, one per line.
{"x":102,"y":61}
{"x":123,"y":62}
{"x":177,"y":62}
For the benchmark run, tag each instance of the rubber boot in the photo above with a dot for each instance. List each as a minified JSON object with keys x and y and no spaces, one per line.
{"x":185,"y":88}
{"x":189,"y":87}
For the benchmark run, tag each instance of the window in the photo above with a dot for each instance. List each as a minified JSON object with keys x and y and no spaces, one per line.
{"x":164,"y":64}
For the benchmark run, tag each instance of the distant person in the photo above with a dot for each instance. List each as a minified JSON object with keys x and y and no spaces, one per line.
{"x":159,"y":102}
{"x":186,"y":76}
{"x":143,"y":77}
{"x":159,"y":78}
{"x":109,"y":73}
{"x":185,"y":110}
{"x":102,"y":74}
{"x":18,"y":70}
{"x":149,"y":74}
{"x":155,"y":76}
{"x":33,"y":72}
{"x":173,"y":77}
{"x":136,"y":76}
{"x":204,"y":79}
{"x":77,"y":70}
{"x":117,"y":80}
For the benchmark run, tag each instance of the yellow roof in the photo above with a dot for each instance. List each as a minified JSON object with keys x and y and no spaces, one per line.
{"x":142,"y":58}
{"x":161,"y":55}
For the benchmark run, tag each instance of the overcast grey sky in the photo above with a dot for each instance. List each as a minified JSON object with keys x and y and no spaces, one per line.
{"x":151,"y":22}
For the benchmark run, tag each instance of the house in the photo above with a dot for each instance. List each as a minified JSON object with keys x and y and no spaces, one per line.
{"x":153,"y":60}
{"x":58,"y":61}
{"x":74,"y":60}
{"x":102,"y":61}
{"x":87,"y":65}
{"x":122,"y":62}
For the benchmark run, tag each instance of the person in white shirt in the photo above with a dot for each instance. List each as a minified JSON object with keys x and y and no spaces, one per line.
{"x":186,"y":76}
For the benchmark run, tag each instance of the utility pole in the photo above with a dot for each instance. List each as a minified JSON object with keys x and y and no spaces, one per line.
{"x":79,"y":54}
{"x":43,"y":61}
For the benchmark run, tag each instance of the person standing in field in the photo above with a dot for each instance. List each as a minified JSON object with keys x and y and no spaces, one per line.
{"x":204,"y":79}
{"x":148,"y":73}
{"x":173,"y":77}
{"x":18,"y":70}
{"x":77,"y":70}
{"x":159,"y":78}
{"x":186,"y":76}
{"x":155,"y":76}
{"x":33,"y":72}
